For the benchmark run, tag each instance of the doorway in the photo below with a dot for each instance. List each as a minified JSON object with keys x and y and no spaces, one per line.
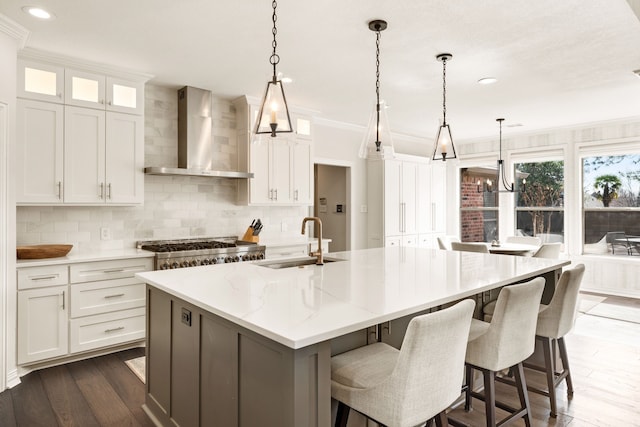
{"x":332,"y":203}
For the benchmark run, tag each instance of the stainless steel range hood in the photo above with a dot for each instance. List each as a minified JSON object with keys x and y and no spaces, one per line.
{"x":195,"y":149}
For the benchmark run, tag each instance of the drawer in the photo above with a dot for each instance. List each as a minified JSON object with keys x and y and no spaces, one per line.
{"x":290,"y":251}
{"x":106,"y":270}
{"x":105,"y":296}
{"x":102,"y":330}
{"x":40,"y":277}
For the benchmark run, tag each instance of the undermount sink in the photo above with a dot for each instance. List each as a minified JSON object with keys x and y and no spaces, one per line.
{"x":288,"y":263}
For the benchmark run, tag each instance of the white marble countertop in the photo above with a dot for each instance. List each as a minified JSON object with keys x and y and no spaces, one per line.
{"x":86,"y":256}
{"x":302,"y":306}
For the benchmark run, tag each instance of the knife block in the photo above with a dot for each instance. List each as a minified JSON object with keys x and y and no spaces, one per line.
{"x":249,"y":237}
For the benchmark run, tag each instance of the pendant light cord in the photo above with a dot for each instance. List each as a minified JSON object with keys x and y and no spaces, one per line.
{"x":275,"y":58}
{"x":378,"y":90}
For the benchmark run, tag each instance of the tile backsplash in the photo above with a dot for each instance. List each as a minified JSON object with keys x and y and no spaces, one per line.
{"x":175,"y":206}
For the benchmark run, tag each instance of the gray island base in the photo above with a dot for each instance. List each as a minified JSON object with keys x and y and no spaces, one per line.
{"x":235,"y":345}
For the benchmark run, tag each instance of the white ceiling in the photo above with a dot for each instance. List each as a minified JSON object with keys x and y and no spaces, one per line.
{"x":558,"y":63}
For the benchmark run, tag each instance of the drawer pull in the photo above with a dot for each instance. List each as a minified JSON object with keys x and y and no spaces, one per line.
{"x":119,"y":328}
{"x":54,"y":276}
{"x":113,"y":296}
{"x":115,"y":270}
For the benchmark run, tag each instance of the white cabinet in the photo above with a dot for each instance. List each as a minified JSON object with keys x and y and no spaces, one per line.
{"x":43,"y":304}
{"x":86,"y":89}
{"x":88,"y":151}
{"x":72,"y":308}
{"x":103,"y":157}
{"x":42,"y":320}
{"x":39,"y":81}
{"x":393,"y":210}
{"x":431,"y":204}
{"x":39,"y":152}
{"x":282,"y":166}
{"x":302,"y":173}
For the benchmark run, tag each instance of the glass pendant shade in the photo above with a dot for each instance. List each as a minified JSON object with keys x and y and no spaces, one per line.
{"x":273,"y":117}
{"x":444,"y":148}
{"x":377,"y":140}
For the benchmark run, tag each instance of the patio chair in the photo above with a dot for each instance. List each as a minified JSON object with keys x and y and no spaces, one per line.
{"x":618,"y":239}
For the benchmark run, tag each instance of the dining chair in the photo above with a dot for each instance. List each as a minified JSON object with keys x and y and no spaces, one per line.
{"x":502,"y":344}
{"x":548,"y":250}
{"x":410,"y":386}
{"x":524,"y":240}
{"x":445,"y":242}
{"x":618,"y":239}
{"x":470,"y":247}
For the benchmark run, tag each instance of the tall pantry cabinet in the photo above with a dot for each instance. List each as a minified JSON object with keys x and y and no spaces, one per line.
{"x":406,"y":202}
{"x":80,"y":134}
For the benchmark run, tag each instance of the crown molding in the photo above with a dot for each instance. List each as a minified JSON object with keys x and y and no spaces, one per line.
{"x":15,"y":30}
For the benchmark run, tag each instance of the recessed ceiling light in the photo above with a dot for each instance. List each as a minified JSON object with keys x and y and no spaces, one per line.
{"x":38,"y":12}
{"x":487,"y":80}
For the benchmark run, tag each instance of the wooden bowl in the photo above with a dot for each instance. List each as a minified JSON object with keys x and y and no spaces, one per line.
{"x":42,"y":251}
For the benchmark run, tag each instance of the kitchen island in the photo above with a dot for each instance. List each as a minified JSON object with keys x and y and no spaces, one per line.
{"x":246,"y":344}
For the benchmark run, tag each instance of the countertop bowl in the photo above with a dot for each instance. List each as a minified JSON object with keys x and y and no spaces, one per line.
{"x":42,"y":251}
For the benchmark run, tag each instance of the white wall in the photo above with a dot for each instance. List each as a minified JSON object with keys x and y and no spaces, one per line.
{"x":12,"y":36}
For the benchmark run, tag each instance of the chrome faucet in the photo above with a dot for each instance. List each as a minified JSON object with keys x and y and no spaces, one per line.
{"x":318,"y":253}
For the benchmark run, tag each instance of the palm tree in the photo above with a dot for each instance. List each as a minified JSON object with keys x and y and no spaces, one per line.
{"x":609,"y":184}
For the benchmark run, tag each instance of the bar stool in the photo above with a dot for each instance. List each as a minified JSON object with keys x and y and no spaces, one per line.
{"x":412,"y":385}
{"x":554,"y":322}
{"x":502,"y":344}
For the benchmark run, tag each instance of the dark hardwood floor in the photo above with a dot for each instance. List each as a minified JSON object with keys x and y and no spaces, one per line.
{"x":95,"y":392}
{"x":604,"y":355}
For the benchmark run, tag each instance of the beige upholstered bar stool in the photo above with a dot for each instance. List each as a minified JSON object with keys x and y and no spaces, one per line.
{"x":470,"y":247}
{"x":409,"y":386}
{"x":502,"y":344}
{"x":554,"y":322}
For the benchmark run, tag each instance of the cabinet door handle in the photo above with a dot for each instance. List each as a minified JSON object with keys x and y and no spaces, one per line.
{"x":296,"y":195}
{"x":60,"y":95}
{"x":53,"y":276}
{"x":63,"y":299}
{"x":276,"y":191}
{"x":110,"y":103}
{"x":59,"y":190}
{"x":102,"y":101}
{"x":109,"y":191}
{"x":113,"y":296}
{"x":101,"y":193}
{"x":114,"y":270}
{"x":119,"y":328}
{"x":271,"y":194}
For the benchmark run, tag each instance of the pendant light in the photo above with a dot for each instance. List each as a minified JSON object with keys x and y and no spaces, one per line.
{"x":444,"y":148}
{"x":500,"y":174}
{"x":273,"y":117}
{"x":377,"y":140}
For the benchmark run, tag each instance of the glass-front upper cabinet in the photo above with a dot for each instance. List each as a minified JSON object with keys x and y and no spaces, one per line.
{"x":84,"y":89}
{"x":103,"y":92}
{"x":43,"y":82}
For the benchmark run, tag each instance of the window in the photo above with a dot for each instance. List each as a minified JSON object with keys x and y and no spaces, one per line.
{"x":610,"y":201}
{"x":478,"y":208}
{"x":540,"y":201}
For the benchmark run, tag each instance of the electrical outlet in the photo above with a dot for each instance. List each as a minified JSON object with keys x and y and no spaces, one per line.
{"x":186,"y":316}
{"x":105,"y":233}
